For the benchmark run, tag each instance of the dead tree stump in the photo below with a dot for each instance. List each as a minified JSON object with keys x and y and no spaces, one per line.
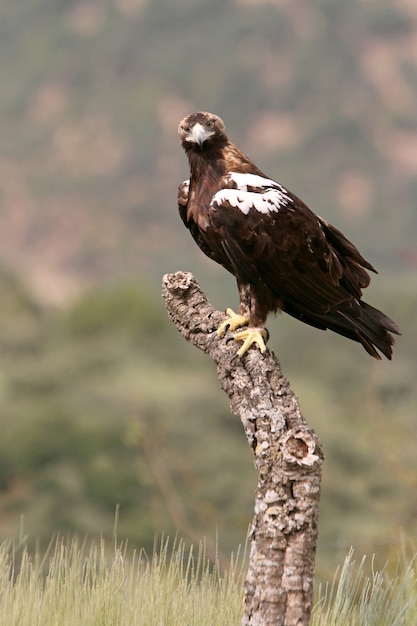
{"x":278,"y":590}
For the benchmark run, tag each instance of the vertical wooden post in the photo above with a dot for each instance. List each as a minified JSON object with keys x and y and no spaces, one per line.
{"x":287,"y":454}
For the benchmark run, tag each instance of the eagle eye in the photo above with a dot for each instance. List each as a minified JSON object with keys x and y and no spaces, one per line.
{"x":210,"y":124}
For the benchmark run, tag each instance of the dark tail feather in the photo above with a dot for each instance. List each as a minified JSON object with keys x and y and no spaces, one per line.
{"x":372,"y":329}
{"x":362,"y":323}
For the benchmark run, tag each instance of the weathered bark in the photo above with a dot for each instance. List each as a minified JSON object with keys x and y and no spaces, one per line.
{"x":287,"y":454}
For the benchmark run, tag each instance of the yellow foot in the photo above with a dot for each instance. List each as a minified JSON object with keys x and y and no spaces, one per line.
{"x":232,"y":322}
{"x":250,"y":336}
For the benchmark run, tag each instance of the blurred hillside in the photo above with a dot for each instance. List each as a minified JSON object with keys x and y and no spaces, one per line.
{"x":100,"y":401}
{"x":322,"y":95}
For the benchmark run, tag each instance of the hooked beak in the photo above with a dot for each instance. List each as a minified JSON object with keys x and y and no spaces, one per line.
{"x":199,"y":134}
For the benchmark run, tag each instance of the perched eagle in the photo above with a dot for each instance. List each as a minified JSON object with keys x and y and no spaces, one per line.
{"x":284,"y":257}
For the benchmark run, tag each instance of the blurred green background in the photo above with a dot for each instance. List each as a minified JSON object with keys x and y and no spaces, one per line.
{"x":101,"y":402}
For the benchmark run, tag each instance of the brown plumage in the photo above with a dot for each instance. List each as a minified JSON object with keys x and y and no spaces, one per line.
{"x":284,"y":257}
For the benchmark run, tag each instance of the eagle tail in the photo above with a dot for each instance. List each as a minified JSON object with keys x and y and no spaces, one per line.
{"x":372,"y":329}
{"x":362,"y":323}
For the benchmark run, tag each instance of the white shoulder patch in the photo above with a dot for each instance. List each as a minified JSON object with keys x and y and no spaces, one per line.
{"x":266,"y":202}
{"x":243,"y":181}
{"x":250,"y":191}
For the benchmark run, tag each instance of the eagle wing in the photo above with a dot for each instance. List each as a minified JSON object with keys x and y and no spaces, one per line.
{"x":183,"y":193}
{"x":198,"y":236}
{"x":270,"y":236}
{"x":211,"y":246}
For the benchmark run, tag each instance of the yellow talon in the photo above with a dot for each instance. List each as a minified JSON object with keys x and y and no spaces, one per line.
{"x":249,"y":337}
{"x":233,"y":321}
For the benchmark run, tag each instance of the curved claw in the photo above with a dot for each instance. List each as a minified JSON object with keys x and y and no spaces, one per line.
{"x":232,"y":322}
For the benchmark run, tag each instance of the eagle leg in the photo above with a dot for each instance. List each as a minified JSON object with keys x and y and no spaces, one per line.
{"x":251,"y":336}
{"x":232,"y":322}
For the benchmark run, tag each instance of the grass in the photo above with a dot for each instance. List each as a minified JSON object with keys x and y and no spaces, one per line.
{"x":75,"y":584}
{"x":377,"y":598}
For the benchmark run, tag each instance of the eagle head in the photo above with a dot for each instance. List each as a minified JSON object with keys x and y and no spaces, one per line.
{"x":199,"y":127}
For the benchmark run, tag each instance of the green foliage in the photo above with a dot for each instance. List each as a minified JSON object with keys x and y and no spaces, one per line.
{"x":102,"y":408}
{"x":103,"y":404}
{"x":123,"y":310}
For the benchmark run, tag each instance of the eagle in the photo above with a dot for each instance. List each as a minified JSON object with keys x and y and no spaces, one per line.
{"x":284,"y":257}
